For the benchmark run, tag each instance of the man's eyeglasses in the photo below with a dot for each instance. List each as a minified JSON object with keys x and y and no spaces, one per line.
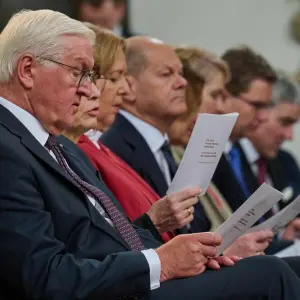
{"x":81,"y":76}
{"x":258,"y":105}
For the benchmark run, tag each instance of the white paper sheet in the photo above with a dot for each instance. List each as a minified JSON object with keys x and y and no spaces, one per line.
{"x":247,"y":214}
{"x":281,"y":219}
{"x":293,"y":250}
{"x":203,"y":152}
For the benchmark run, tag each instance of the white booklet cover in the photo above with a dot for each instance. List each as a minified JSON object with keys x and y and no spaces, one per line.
{"x":247,"y":214}
{"x":203,"y":152}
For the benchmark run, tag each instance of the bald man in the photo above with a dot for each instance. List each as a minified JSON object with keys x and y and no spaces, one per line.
{"x":155,"y":101}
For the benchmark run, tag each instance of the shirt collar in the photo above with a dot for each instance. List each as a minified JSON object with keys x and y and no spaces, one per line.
{"x":94,"y":135}
{"x":228,"y":147}
{"x":154,"y":138}
{"x":28,"y":120}
{"x":118,"y":30}
{"x":250,"y":152}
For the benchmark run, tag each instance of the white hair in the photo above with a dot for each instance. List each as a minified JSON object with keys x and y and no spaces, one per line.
{"x":285,"y":89}
{"x":39,"y":33}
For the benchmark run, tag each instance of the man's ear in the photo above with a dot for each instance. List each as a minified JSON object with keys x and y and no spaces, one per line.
{"x":130,"y":94}
{"x":26,"y":70}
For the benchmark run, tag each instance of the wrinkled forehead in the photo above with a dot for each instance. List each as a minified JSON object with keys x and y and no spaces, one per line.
{"x":78,"y":49}
{"x":160,"y":56}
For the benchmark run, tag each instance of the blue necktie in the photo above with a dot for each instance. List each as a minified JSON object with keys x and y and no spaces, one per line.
{"x":235,"y":163}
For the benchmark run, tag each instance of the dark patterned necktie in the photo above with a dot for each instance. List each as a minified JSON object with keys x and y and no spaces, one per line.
{"x":262,"y":170}
{"x":261,"y":178}
{"x":165,"y":148}
{"x":120,"y":222}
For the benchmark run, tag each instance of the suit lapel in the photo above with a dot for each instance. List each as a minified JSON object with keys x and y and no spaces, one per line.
{"x":86,"y":174}
{"x":13,"y":125}
{"x":227,"y":184}
{"x":27,"y":139}
{"x":143,"y":156}
{"x":276,"y":173}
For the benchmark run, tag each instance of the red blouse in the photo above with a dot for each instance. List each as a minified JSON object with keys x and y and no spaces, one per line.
{"x":134,"y":194}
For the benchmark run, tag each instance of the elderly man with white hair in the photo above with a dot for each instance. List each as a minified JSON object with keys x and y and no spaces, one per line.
{"x":63,"y":237}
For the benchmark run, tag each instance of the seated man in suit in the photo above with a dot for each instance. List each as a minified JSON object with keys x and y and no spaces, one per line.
{"x":262,"y":159}
{"x":63,"y":237}
{"x":153,"y":102}
{"x":249,"y":93}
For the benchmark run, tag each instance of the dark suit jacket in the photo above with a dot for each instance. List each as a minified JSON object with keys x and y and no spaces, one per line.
{"x":54,"y":244}
{"x":227,"y":184}
{"x":282,"y":170}
{"x":288,"y":173}
{"x":124,"y":140}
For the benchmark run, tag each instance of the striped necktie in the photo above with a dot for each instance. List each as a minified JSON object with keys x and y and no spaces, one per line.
{"x":120,"y":222}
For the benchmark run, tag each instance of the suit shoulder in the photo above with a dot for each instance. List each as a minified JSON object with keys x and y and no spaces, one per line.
{"x":112,"y":138}
{"x":286,"y":155}
{"x":75,"y":150}
{"x":10,"y":144}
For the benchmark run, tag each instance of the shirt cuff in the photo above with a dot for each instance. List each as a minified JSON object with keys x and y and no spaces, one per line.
{"x":154,"y":266}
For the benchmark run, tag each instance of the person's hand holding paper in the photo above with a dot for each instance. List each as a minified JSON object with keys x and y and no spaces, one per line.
{"x":281,"y":219}
{"x":174,"y":210}
{"x":247,"y":214}
{"x":191,"y":254}
{"x":250,"y":244}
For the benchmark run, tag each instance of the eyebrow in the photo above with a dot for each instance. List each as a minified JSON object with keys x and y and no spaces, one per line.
{"x":85,"y":66}
{"x":288,"y":119}
{"x":116,"y":71}
{"x":170,"y":68}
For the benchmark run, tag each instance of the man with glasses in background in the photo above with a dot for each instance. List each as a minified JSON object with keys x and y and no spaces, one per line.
{"x":249,"y":92}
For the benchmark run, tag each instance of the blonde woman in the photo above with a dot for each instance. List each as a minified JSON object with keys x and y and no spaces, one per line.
{"x":140,"y":203}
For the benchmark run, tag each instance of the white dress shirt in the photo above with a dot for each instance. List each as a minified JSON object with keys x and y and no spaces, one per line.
{"x":41,"y":135}
{"x":155,"y":140}
{"x":94,"y":136}
{"x":252,"y":157}
{"x":227,"y":148}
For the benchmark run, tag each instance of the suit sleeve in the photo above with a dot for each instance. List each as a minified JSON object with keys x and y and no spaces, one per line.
{"x":145,"y":222}
{"x":37,"y":265}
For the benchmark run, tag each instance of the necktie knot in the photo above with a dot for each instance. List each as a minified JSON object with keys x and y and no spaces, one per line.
{"x":51,"y":142}
{"x":166,"y":147}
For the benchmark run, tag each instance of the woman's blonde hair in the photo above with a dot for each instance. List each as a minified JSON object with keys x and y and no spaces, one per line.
{"x":199,"y":67}
{"x":106,"y":46}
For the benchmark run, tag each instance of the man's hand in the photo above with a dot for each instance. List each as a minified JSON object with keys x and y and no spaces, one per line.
{"x":250,"y":244}
{"x":174,"y":211}
{"x":292,"y":231}
{"x":187,"y":255}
